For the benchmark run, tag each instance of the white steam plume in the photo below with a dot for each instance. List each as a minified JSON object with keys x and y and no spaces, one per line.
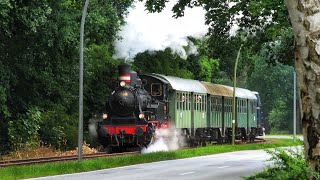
{"x":166,"y":140}
{"x":157,"y":31}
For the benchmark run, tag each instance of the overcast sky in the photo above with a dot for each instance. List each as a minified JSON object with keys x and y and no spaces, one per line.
{"x":157,"y":31}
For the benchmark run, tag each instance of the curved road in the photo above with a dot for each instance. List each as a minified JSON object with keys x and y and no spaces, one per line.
{"x":233,"y":165}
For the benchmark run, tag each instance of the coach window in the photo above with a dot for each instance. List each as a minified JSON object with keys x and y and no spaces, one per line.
{"x":178,"y":101}
{"x":252,"y":107}
{"x":212,"y":104}
{"x":253,"y":110}
{"x":183,"y":99}
{"x":189,"y":101}
{"x":205,"y":103}
{"x":242,"y":105}
{"x":156,"y":89}
{"x":202,"y":103}
{"x":246,"y":107}
{"x":220,"y":104}
{"x":226,"y":105}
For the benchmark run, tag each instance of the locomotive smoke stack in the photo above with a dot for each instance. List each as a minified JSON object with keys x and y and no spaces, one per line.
{"x":125,"y":73}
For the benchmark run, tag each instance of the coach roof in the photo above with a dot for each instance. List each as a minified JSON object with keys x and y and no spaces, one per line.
{"x":217,"y":89}
{"x":181,"y":84}
{"x":243,"y":93}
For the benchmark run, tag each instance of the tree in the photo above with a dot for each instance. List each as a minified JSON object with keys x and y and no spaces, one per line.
{"x":305,"y":20}
{"x":274,"y":91}
{"x":163,"y":62}
{"x":39,"y":43}
{"x":202,"y":67}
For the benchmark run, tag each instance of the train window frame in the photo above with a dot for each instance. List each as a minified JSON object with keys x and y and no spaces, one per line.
{"x":178,"y":100}
{"x":189,"y":101}
{"x":220,"y":104}
{"x":204,"y":102}
{"x":160,"y":89}
{"x":183,"y":99}
{"x":243,"y":106}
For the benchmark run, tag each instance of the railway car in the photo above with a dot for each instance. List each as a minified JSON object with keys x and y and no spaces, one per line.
{"x":200,"y":111}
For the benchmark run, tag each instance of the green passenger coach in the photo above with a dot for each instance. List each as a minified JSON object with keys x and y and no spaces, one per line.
{"x":202,"y":111}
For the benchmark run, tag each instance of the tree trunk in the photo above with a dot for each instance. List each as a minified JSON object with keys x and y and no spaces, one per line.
{"x":305,"y":20}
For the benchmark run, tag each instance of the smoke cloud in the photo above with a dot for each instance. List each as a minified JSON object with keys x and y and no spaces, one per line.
{"x":157,"y":31}
{"x":166,"y":140}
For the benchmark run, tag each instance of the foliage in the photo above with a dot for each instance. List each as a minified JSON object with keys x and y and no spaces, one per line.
{"x":197,"y":66}
{"x":24,"y":131}
{"x":163,"y":62}
{"x":288,"y":164}
{"x":59,"y":129}
{"x":222,"y":15}
{"x":39,"y":63}
{"x":101,"y":75}
{"x":202,"y":67}
{"x":278,"y":116}
{"x":226,"y":49}
{"x":276,"y":83}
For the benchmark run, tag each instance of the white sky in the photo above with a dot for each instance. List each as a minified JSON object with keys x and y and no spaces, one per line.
{"x":157,"y":31}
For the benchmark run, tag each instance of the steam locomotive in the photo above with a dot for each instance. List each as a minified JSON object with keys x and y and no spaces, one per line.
{"x":201,"y":111}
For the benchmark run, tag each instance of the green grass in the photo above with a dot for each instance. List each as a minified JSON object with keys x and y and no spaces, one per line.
{"x":18,"y":172}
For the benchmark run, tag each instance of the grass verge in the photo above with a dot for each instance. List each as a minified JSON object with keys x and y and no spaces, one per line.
{"x":39,"y":170}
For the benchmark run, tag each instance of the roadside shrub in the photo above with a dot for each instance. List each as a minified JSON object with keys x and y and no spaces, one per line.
{"x":287,"y":164}
{"x":59,"y":129}
{"x":24,"y":131}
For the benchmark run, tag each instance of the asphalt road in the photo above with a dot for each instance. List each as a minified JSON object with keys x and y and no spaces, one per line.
{"x":234,"y":165}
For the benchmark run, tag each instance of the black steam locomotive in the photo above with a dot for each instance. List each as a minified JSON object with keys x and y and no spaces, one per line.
{"x":131,"y":111}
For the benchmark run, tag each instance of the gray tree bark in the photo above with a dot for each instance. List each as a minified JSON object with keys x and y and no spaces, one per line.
{"x":305,"y":20}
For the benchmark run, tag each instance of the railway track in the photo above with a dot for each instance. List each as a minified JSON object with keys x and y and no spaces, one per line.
{"x":60,"y":158}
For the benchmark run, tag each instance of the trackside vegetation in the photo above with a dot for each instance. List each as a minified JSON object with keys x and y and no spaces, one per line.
{"x":288,"y":164}
{"x":48,"y":169}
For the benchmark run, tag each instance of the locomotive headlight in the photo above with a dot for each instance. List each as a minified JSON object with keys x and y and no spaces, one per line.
{"x":122,"y":83}
{"x":141,"y":116}
{"x":104,"y":116}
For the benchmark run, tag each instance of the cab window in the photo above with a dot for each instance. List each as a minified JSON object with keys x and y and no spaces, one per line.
{"x":156,"y":89}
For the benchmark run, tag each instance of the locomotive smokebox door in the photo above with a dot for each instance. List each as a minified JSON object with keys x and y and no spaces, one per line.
{"x":124,"y":73}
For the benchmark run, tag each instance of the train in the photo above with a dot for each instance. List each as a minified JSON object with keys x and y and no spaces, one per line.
{"x":200,"y":111}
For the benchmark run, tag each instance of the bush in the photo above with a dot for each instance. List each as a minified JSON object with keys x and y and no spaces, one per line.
{"x":288,"y":164}
{"x":59,"y":129}
{"x":23,"y":132}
